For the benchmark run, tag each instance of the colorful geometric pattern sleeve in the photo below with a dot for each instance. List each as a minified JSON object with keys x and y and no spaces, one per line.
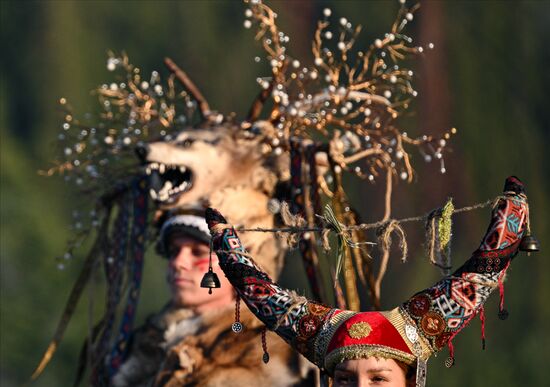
{"x":424,"y":324}
{"x":443,"y":310}
{"x":292,"y":317}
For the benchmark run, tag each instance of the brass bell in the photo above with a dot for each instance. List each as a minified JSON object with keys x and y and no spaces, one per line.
{"x":210,"y":281}
{"x":529,"y":244}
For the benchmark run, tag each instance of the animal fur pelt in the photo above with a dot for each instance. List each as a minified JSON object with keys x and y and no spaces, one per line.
{"x":220,"y":167}
{"x":177,"y":348}
{"x":148,"y":347}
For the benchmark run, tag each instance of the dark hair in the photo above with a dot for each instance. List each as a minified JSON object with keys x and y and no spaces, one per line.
{"x":410,"y":372}
{"x":164,"y":235}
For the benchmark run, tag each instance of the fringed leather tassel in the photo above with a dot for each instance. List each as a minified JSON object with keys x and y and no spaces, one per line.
{"x":113,"y":263}
{"x":138,"y":234}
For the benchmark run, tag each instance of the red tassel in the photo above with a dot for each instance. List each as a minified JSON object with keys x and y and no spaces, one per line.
{"x":482,"y":319}
{"x":451,"y":359}
{"x":502,"y":313}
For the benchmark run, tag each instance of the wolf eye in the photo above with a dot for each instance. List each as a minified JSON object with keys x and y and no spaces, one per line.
{"x":185,"y":143}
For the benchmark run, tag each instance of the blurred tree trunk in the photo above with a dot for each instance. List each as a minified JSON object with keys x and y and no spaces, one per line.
{"x":300,"y":16}
{"x":436,"y":110}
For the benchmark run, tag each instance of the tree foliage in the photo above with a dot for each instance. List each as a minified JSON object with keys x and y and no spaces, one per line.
{"x":496,"y":79}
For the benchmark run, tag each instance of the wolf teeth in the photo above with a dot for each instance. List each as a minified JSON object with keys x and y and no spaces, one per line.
{"x":168,"y":188}
{"x":165,"y":190}
{"x":180,"y":188}
{"x":162,"y":168}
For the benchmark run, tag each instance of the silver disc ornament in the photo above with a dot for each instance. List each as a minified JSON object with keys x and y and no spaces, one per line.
{"x":237,"y":327}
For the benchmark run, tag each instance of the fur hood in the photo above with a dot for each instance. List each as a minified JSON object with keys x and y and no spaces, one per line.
{"x":178,"y":348}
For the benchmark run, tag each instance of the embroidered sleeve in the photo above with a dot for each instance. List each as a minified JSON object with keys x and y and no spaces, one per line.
{"x":292,"y":317}
{"x":443,"y":310}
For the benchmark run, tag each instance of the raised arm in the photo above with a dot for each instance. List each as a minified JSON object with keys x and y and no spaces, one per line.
{"x":281,"y":310}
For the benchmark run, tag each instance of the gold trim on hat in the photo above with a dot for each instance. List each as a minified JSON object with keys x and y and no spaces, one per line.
{"x":327,"y":331}
{"x":361,"y":351}
{"x":399,"y":318}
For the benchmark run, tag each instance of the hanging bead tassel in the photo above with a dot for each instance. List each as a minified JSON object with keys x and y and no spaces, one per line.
{"x":502,"y":313}
{"x":265,"y":357}
{"x":237,"y":326}
{"x":450,"y":361}
{"x":482,"y":319}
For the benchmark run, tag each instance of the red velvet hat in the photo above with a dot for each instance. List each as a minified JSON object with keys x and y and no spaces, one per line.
{"x":367,"y":334}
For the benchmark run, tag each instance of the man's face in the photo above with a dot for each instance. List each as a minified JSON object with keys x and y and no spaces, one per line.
{"x":188,"y":261}
{"x":370,"y":372}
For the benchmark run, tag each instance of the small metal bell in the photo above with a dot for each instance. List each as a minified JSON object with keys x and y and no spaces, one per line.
{"x":210,"y":281}
{"x":529,"y":244}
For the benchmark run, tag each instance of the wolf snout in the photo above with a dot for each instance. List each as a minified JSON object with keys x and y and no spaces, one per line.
{"x":142,"y":151}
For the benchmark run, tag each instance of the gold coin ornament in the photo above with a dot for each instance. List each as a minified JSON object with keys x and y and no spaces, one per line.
{"x":359,"y":330}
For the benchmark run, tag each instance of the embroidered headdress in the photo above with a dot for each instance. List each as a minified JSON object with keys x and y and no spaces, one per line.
{"x":312,"y":122}
{"x":410,"y":333}
{"x":182,"y":224}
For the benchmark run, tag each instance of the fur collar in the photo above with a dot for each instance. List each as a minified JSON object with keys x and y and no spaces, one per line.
{"x":178,"y":348}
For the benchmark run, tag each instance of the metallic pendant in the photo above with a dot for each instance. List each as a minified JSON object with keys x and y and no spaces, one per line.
{"x":421,"y":372}
{"x":237,"y":327}
{"x":421,"y":364}
{"x":411,"y":333}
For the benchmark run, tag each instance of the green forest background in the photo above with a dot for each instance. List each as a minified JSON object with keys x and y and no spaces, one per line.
{"x":488,"y":76}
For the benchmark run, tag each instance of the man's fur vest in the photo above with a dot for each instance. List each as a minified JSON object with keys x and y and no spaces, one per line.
{"x":178,"y":348}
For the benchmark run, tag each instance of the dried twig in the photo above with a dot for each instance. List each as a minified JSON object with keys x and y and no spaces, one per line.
{"x":204,"y":108}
